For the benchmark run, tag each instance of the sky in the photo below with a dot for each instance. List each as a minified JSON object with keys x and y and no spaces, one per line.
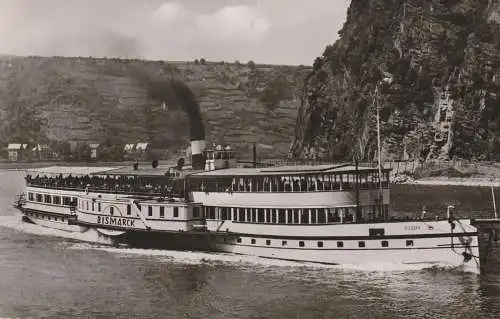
{"x":265,"y":31}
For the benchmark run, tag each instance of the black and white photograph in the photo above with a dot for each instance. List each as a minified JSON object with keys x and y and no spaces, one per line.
{"x":249,"y":159}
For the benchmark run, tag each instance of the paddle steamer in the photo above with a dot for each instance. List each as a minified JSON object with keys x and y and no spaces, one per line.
{"x":333,"y":214}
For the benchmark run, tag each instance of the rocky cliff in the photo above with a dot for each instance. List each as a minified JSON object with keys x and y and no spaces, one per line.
{"x":102,"y":100}
{"x":441,"y":97}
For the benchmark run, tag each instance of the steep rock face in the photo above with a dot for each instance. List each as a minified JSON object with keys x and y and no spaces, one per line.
{"x":101,"y":100}
{"x":443,"y":58}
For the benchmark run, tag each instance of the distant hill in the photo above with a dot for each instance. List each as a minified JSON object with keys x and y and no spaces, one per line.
{"x":45,"y":99}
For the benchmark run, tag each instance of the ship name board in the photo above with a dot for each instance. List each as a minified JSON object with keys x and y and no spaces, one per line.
{"x":115,"y":221}
{"x":413,"y":227}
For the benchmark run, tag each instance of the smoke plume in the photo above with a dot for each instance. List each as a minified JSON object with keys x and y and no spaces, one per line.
{"x":175,"y":93}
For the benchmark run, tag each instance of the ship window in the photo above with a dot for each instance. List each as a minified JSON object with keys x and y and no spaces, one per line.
{"x":111,"y":210}
{"x":340,"y":244}
{"x":47,"y":198}
{"x":129,"y":209}
{"x":241,"y":214}
{"x":162,"y":212}
{"x":238,"y":240}
{"x":49,"y":217}
{"x":176,"y":211}
{"x":92,"y":205}
{"x":385,"y":243}
{"x":301,"y":243}
{"x":260,"y":215}
{"x":283,"y":243}
{"x":196,"y":212}
{"x":376,"y":231}
{"x":99,"y":207}
{"x":304,"y":218}
{"x":268,"y":242}
{"x":273,"y":215}
{"x":320,"y":244}
{"x":38,"y":197}
{"x":409,"y":243}
{"x":253,"y":241}
{"x":56,"y":200}
{"x":66,"y":201}
{"x":62,"y":219}
{"x":361,"y":244}
{"x":281,"y":216}
{"x":322,"y":215}
{"x":150,"y":211}
{"x":31,"y":197}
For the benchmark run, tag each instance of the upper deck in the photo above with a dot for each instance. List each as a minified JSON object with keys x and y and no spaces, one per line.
{"x":288,"y":170}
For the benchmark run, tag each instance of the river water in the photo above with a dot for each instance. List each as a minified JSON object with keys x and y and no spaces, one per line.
{"x":49,"y":274}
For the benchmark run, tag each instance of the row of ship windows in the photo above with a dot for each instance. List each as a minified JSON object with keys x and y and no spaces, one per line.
{"x":340,"y":244}
{"x":41,"y":216}
{"x":162,"y":210}
{"x":296,"y":215}
{"x":300,"y":183}
{"x":51,"y":199}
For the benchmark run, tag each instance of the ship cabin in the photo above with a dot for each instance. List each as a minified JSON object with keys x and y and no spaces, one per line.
{"x":135,"y":212}
{"x":319,"y":194}
{"x":220,"y":157}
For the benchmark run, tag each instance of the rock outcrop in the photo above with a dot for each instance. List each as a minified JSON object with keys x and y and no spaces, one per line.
{"x":443,"y":57}
{"x":45,"y":99}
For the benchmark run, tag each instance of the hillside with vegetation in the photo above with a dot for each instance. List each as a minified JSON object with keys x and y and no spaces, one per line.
{"x":56,"y":100}
{"x":441,"y":59}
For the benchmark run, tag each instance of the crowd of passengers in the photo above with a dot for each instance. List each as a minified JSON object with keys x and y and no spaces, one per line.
{"x":124,"y":184}
{"x":284,"y":184}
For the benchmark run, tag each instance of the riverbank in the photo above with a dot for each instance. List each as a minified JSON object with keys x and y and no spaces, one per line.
{"x":32,"y":165}
{"x":453,"y":181}
{"x":455,"y":173}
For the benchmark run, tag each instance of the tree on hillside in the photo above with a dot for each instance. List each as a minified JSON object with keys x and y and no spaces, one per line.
{"x":276,"y":90}
{"x":61,"y":149}
{"x":82,"y":152}
{"x":111,"y":153}
{"x":202,"y":61}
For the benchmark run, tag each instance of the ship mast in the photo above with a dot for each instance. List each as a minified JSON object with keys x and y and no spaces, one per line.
{"x":378,"y":145}
{"x":387,"y":79}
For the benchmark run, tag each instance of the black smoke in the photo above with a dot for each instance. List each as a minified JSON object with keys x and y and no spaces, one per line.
{"x":174,"y":92}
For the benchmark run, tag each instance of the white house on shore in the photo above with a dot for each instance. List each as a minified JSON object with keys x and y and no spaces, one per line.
{"x":93,"y":150}
{"x":15,"y":151}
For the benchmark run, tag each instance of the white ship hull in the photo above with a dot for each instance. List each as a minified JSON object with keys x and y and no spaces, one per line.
{"x":422,"y":243}
{"x":442,"y":256}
